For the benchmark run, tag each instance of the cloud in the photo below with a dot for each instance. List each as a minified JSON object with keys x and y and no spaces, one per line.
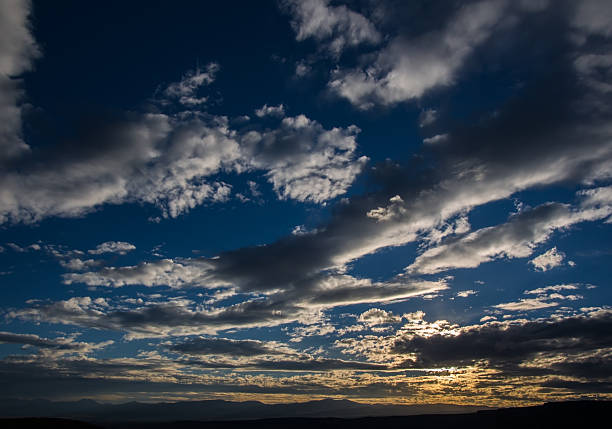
{"x":302,"y":304}
{"x":335,"y":27}
{"x":166,"y":159}
{"x":378,"y":348}
{"x":77,"y":264}
{"x":164,"y":272}
{"x":19,"y":249}
{"x":316,"y":364}
{"x":474,"y":173}
{"x":438,"y":138}
{"x":466,"y":293}
{"x":548,"y":296}
{"x":554,"y":128}
{"x":592,"y":17}
{"x":225,"y":346}
{"x":554,"y":288}
{"x":158,"y":320}
{"x":527,"y":304}
{"x":376,"y":316}
{"x":304,"y":161}
{"x":518,"y":346}
{"x":253,"y":354}
{"x":171,"y":161}
{"x":150,"y":158}
{"x":427,"y":117}
{"x":18,"y":50}
{"x":185,"y":90}
{"x":120,"y":247}
{"x":407,"y":67}
{"x":548,"y":260}
{"x":265,"y":110}
{"x":515,"y":239}
{"x":313,"y":330}
{"x":416,"y":48}
{"x":55,"y":347}
{"x":302,"y":69}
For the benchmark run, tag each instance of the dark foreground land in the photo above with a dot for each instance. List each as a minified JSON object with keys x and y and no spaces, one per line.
{"x":578,"y":414}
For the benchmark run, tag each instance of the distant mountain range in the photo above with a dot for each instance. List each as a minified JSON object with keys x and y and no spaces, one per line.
{"x":557,"y":415}
{"x":92,"y":411}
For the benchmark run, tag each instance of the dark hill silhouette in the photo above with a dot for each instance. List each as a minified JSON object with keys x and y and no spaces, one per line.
{"x":573,"y":414}
{"x":93,"y":411}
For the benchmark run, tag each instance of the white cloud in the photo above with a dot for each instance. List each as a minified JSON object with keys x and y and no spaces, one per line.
{"x":336,"y":27}
{"x":597,"y":199}
{"x":165,"y":272}
{"x":550,"y":259}
{"x":153,"y":158}
{"x":120,"y":247}
{"x":185,"y":91}
{"x":265,"y":110}
{"x":461,"y":225}
{"x":304,"y":161}
{"x":394,"y":209}
{"x":22,"y":249}
{"x":77,"y":264}
{"x":466,"y":293}
{"x":438,"y":138}
{"x":554,"y":288}
{"x":527,"y":304}
{"x":547,"y":297}
{"x":376,"y":316}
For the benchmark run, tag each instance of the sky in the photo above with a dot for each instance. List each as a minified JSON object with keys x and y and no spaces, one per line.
{"x":382,"y":201}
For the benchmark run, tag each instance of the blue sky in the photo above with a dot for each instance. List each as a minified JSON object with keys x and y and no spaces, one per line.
{"x":402,"y":202}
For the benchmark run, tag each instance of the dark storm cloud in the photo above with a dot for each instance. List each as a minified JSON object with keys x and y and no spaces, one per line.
{"x":35,"y":340}
{"x":578,"y":344}
{"x":226,"y":346}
